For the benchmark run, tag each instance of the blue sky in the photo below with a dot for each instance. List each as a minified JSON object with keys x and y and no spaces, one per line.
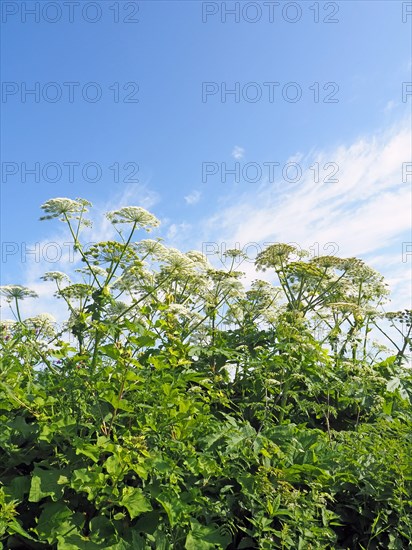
{"x":333,"y":96}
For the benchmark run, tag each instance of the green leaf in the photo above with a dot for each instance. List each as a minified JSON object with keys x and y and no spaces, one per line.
{"x":111,"y":351}
{"x":114,"y":466}
{"x":91,"y":481}
{"x":46,"y":483}
{"x":148,"y":522}
{"x":393,"y":384}
{"x":101,"y":528}
{"x":19,"y":424}
{"x":246,"y":543}
{"x":205,"y":537}
{"x":112,"y":398}
{"x":14,"y":527}
{"x":135,"y":501}
{"x":76,"y":542}
{"x":18,"y":487}
{"x":91,"y":451}
{"x":57,"y":520}
{"x":172,"y":506}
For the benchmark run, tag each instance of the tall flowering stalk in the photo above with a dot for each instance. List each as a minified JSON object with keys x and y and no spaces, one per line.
{"x":14,"y":293}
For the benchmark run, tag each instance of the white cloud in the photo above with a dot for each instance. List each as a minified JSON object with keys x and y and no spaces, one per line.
{"x":389,"y":106}
{"x":193,"y":197}
{"x":364,"y":210}
{"x":238,"y":152}
{"x":177,"y":231}
{"x":368,"y":210}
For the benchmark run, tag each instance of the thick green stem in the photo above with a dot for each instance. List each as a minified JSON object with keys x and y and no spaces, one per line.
{"x":283,"y":401}
{"x":119,"y":397}
{"x":110,"y":276}
{"x":79,"y":248}
{"x":17,"y":309}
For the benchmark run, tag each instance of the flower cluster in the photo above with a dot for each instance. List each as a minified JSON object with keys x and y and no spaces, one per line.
{"x":6,"y":328}
{"x":151,"y":247}
{"x":134,"y":215}
{"x":65,"y":209}
{"x":110,"y":252}
{"x":134,"y":278}
{"x":57,"y":276}
{"x":16,"y":292}
{"x":179,"y":310}
{"x":276,"y":255}
{"x":43,"y":324}
{"x":76,"y":291}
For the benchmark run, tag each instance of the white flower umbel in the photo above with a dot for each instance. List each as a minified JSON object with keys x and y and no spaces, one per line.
{"x":7,"y":323}
{"x":64,"y":209}
{"x":179,"y":263}
{"x":92,"y":269}
{"x":57,"y":276}
{"x":181,"y":311}
{"x":6,"y":326}
{"x":44,"y":318}
{"x":151,"y":247}
{"x":16,"y":292}
{"x":197,"y":257}
{"x":44,"y":323}
{"x":134,"y":215}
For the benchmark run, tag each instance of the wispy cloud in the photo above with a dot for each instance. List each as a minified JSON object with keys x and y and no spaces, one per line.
{"x":193,"y":197}
{"x":389,"y":106}
{"x":367,"y":210}
{"x":238,"y":152}
{"x":177,"y":233}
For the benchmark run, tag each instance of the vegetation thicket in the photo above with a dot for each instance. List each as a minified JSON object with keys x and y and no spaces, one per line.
{"x":188,"y":412}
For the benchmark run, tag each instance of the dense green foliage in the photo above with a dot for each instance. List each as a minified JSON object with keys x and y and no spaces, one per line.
{"x":186,"y":412}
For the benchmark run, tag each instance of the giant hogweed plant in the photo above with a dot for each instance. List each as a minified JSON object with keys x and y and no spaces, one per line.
{"x":186,"y":411}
